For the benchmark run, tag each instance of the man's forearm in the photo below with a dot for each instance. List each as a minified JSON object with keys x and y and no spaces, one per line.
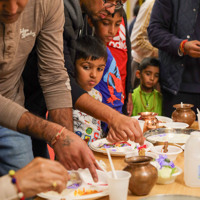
{"x":91,"y":106}
{"x":62,"y":116}
{"x":32,"y":125}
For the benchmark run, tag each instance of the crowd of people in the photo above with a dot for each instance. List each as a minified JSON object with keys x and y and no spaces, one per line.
{"x":67,"y":78}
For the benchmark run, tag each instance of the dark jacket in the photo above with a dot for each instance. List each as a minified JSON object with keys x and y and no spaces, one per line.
{"x":171,"y":22}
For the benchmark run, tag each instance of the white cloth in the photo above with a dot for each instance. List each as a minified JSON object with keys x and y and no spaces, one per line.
{"x":141,"y":47}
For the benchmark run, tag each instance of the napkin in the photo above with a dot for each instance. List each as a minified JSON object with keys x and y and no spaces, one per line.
{"x":87,"y":178}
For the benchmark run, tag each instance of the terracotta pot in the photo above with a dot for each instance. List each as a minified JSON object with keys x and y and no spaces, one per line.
{"x":143,"y":174}
{"x":184,"y":114}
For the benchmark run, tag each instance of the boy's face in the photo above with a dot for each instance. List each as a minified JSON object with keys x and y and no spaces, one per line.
{"x":99,"y":9}
{"x":10,"y":10}
{"x":149,"y":78}
{"x":89,"y":72}
{"x":107,"y":28}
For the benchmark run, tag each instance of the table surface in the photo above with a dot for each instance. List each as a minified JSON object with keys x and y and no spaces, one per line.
{"x":178,"y":187}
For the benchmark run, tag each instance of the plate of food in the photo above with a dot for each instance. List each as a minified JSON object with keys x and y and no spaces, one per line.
{"x":118,"y":148}
{"x":169,"y":135}
{"x":81,"y":186}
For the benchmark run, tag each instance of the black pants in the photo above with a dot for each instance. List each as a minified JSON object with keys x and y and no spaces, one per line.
{"x":169,"y":100}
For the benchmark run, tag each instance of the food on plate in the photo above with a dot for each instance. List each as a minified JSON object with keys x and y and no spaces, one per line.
{"x":80,"y":192}
{"x":165,"y":147}
{"x":114,"y":145}
{"x":118,"y":148}
{"x":141,"y":150}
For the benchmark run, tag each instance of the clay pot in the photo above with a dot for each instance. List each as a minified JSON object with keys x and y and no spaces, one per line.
{"x":184,"y":114}
{"x":143,"y":174}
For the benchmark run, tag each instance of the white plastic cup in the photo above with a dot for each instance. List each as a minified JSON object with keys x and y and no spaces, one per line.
{"x":118,"y":188}
{"x":192,"y":160}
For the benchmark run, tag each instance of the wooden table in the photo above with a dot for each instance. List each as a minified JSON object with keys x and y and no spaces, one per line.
{"x":178,"y":187}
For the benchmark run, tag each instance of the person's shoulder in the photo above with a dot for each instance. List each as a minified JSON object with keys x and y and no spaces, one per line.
{"x":43,"y":5}
{"x":147,"y":4}
{"x":137,"y":89}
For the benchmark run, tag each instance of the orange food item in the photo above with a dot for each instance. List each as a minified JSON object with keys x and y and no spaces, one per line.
{"x":80,"y":192}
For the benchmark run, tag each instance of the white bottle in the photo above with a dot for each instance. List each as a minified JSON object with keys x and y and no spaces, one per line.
{"x":192,"y":160}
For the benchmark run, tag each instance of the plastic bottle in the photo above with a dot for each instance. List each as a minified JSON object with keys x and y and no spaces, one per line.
{"x":192,"y":160}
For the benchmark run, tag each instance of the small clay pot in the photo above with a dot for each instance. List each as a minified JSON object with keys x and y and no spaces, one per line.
{"x":143,"y":174}
{"x":184,"y":113}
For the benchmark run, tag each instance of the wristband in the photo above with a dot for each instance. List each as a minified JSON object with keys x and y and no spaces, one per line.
{"x":182,"y":46}
{"x":14,"y":181}
{"x":56,"y":137}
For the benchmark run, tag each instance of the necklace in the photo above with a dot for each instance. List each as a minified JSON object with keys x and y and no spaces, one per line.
{"x":146,"y":107}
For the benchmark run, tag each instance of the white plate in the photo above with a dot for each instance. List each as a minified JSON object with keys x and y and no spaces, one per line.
{"x":160,"y":118}
{"x":117,"y":150}
{"x":169,"y":137}
{"x":174,"y":125}
{"x":86,"y":178}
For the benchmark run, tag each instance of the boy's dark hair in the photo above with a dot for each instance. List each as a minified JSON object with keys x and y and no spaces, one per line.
{"x":120,"y":11}
{"x":149,"y":61}
{"x":90,"y":47}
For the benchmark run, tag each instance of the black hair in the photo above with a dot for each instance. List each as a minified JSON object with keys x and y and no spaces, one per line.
{"x":90,"y":47}
{"x":120,"y":11}
{"x":149,"y":61}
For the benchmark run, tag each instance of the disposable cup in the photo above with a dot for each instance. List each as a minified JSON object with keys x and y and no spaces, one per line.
{"x":118,"y":188}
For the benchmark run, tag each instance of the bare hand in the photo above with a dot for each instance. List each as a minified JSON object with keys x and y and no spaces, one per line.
{"x":112,"y":137}
{"x":192,"y":48}
{"x":74,"y":153}
{"x":39,"y":176}
{"x":126,"y":128}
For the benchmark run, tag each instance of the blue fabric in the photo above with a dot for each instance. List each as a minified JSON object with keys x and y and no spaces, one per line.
{"x":15,"y":150}
{"x":110,"y":87}
{"x":171,"y":22}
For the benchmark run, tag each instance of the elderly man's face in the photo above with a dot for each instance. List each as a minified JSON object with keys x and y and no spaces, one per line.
{"x":10,"y":10}
{"x":99,"y":9}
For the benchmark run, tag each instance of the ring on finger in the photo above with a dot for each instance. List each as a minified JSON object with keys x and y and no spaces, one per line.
{"x":54,"y":184}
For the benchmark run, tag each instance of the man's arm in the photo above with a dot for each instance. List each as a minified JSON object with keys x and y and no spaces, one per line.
{"x":125,"y":127}
{"x":62,"y":116}
{"x":69,"y":148}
